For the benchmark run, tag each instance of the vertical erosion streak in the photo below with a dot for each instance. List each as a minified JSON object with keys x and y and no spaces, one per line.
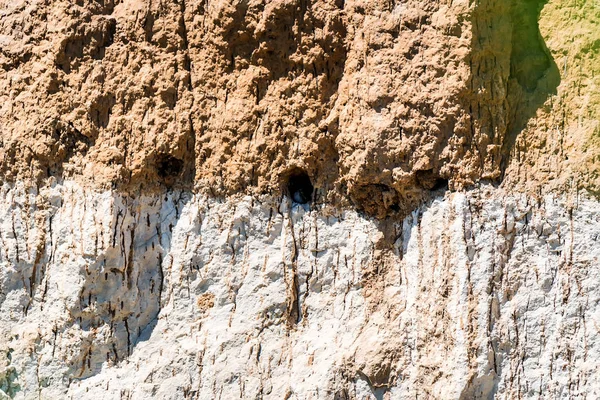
{"x":190,"y":161}
{"x":161,"y":274}
{"x":293,"y":306}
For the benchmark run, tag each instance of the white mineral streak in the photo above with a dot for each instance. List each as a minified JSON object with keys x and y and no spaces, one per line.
{"x":180,"y":297}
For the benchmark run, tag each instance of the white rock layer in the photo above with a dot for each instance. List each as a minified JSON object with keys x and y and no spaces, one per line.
{"x":484,"y":294}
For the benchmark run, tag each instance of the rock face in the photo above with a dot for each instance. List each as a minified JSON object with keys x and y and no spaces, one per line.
{"x":377,"y":102}
{"x":186,"y":297}
{"x":299,"y":199}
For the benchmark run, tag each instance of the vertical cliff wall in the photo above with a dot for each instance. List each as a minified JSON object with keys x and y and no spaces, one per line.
{"x":480,"y":294}
{"x":299,"y":199}
{"x":377,"y":102}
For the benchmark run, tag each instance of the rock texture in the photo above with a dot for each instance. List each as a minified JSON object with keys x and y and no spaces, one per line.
{"x":558,"y":148}
{"x":299,"y":199}
{"x":377,"y":102}
{"x":480,"y":294}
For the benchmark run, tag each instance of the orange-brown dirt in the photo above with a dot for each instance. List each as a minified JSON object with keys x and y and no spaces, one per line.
{"x":379,"y":102}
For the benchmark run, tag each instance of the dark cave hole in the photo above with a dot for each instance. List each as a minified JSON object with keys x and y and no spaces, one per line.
{"x":429,"y":180}
{"x":440,"y":183}
{"x":300,"y":187}
{"x":168,"y":166}
{"x":395,"y":208}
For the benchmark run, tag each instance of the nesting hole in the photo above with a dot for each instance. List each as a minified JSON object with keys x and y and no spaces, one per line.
{"x":168,"y":166}
{"x":300,"y":187}
{"x":440,"y":183}
{"x":429,"y":180}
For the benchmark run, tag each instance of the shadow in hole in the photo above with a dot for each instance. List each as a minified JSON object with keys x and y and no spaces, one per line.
{"x":299,"y":187}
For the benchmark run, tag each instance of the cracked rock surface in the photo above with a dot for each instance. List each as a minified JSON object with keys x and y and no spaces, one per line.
{"x":481,"y":293}
{"x":379,"y":101}
{"x":299,"y":199}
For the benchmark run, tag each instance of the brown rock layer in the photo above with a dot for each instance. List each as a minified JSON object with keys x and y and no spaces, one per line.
{"x":377,"y":102}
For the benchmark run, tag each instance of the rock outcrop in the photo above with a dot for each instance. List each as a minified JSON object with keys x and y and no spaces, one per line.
{"x":480,"y":294}
{"x":377,"y":102}
{"x":299,"y":199}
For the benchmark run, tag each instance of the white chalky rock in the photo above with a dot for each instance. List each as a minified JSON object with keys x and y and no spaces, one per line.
{"x":177,"y":296}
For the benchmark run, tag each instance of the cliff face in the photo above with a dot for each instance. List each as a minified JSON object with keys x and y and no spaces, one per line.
{"x":482,"y":293}
{"x":376,"y":102}
{"x":299,"y":199}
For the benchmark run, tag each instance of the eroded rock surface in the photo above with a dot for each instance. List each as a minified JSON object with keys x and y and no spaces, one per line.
{"x":378,"y":102}
{"x":480,"y":294}
{"x":299,"y":199}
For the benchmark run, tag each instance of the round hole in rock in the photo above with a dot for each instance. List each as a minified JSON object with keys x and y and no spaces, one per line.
{"x":429,"y":180}
{"x":300,"y":187}
{"x":440,"y":183}
{"x":168,"y":166}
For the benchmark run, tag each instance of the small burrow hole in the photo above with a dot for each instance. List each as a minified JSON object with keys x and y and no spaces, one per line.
{"x":300,"y":187}
{"x":440,"y":183}
{"x":168,"y":166}
{"x":429,"y":180}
